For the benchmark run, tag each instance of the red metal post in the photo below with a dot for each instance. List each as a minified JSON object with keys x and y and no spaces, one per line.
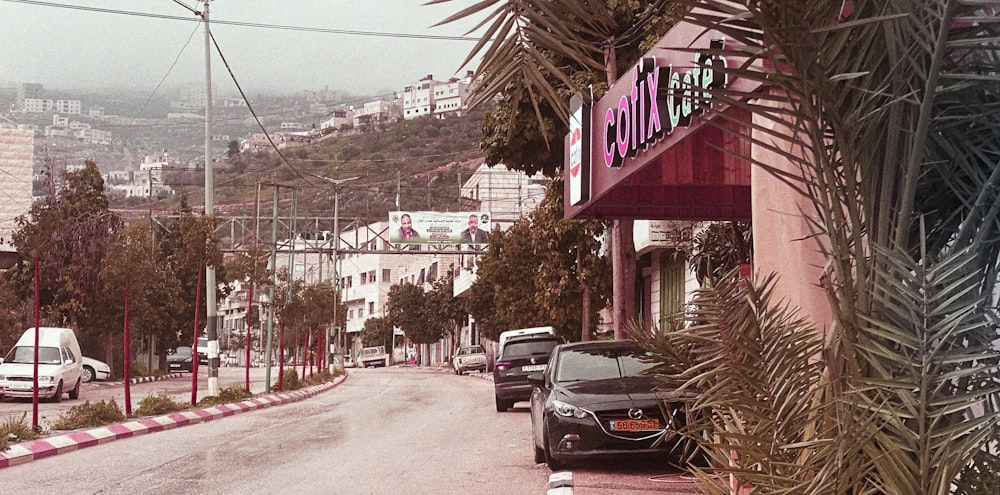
{"x":194,"y":341}
{"x":281,"y":356}
{"x":249,"y":334}
{"x":38,"y":313}
{"x":128,"y":360}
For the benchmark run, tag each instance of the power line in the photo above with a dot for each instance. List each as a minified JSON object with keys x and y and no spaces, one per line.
{"x":348,"y":32}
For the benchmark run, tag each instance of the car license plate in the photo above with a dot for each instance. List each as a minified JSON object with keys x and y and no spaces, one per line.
{"x":533,"y":367}
{"x":19,"y":386}
{"x":649,"y":424}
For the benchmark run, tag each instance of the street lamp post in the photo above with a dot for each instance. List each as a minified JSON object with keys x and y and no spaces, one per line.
{"x":334,"y":349}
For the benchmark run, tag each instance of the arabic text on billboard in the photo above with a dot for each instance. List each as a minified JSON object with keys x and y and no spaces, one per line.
{"x":432,"y":227}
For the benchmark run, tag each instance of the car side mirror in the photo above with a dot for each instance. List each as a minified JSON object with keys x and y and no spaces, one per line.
{"x":536,"y":380}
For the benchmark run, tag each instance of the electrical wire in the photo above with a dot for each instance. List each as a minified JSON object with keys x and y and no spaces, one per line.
{"x":249,"y":106}
{"x":380,"y":34}
{"x":126,"y":128}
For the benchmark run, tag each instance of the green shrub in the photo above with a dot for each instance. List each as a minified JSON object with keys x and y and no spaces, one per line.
{"x":88,"y":415}
{"x":15,"y":429}
{"x":289,"y":381}
{"x":158,"y":405}
{"x":321,"y":376}
{"x":228,"y":395}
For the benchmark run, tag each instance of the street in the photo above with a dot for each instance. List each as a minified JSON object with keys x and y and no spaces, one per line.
{"x":382,"y":431}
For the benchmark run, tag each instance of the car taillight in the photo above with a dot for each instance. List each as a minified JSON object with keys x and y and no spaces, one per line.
{"x":502,"y":365}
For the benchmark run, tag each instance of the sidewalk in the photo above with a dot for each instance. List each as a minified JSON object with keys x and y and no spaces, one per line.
{"x":58,"y":444}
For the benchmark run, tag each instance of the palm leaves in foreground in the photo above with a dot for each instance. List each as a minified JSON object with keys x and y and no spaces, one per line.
{"x":770,"y":416}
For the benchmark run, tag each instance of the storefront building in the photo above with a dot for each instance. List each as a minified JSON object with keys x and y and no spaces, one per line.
{"x":659,"y":147}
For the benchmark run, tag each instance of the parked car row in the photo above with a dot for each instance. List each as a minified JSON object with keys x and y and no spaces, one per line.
{"x":588,"y":400}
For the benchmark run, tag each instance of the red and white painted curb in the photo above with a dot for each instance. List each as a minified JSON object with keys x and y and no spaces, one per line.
{"x":47,"y":447}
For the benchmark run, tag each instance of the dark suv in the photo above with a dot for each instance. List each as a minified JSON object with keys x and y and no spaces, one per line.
{"x":520,"y":357}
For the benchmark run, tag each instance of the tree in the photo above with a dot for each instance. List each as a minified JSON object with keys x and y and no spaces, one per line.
{"x":446,"y":312}
{"x":377,"y":331}
{"x":70,"y":235}
{"x":154,"y":294}
{"x":188,"y":244}
{"x":536,"y":54}
{"x":891,"y":120}
{"x":542,"y":271}
{"x":407,"y":308}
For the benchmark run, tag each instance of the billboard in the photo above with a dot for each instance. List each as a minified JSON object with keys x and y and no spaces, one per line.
{"x":433,"y":227}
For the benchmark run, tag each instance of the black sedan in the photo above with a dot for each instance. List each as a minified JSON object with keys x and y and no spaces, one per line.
{"x":594,"y":400}
{"x":179,"y":359}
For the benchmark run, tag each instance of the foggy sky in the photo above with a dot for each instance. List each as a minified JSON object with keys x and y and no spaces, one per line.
{"x":85,"y":49}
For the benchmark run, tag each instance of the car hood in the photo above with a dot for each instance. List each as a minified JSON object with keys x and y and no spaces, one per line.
{"x":174,"y":357}
{"x":18,"y":369}
{"x":620,"y":392}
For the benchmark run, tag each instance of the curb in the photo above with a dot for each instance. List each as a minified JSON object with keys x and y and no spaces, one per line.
{"x":147,"y":379}
{"x":560,"y":483}
{"x":47,"y":447}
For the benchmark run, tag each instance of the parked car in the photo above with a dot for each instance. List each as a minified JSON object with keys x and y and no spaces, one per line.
{"x":469,"y":358}
{"x":180,"y":359}
{"x":595,"y":399}
{"x":520,"y":357}
{"x":202,"y":350}
{"x":373,"y":356}
{"x":94,"y":369}
{"x":60,"y":365}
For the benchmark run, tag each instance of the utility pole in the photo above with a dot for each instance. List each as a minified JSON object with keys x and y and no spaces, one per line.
{"x":334,"y":349}
{"x":210,"y":303}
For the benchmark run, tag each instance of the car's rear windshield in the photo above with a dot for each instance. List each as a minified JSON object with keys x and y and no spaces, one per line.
{"x":26,"y":355}
{"x":529,"y":348}
{"x":601,"y":364}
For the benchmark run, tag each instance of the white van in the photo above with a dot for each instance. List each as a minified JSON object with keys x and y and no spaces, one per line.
{"x":60,"y":365}
{"x":505,"y":336}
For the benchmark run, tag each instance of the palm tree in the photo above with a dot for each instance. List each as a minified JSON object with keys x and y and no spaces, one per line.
{"x":888,"y":111}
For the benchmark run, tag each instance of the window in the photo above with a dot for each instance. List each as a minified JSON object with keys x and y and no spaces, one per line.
{"x":371,"y":307}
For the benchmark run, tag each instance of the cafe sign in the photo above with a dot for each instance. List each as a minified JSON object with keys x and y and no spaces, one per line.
{"x":658,"y":100}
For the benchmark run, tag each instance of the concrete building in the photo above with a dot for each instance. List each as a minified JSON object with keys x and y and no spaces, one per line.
{"x":17,"y":155}
{"x":337,"y":119}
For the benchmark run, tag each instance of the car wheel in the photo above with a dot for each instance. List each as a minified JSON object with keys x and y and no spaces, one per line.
{"x":57,"y":397}
{"x":554,"y":464}
{"x":88,"y":374}
{"x":503,"y":405}
{"x":75,"y":393}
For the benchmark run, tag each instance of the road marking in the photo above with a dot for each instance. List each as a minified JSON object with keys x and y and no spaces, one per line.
{"x":560,"y":483}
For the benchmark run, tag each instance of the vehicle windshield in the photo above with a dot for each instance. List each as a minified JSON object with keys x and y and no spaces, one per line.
{"x":26,"y":355}
{"x":601,"y":364}
{"x":528,"y":348}
{"x":181,"y":352}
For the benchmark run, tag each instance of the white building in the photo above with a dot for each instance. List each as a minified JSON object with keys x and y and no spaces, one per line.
{"x":438,"y":98}
{"x":72,"y":107}
{"x":337,"y":119}
{"x":418,"y":98}
{"x":17,"y":155}
{"x":378,"y":111}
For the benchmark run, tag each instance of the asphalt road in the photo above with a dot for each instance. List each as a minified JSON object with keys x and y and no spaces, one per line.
{"x":381,"y":431}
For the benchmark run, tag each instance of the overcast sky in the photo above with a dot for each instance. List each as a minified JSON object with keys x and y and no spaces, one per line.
{"x":134,"y":44}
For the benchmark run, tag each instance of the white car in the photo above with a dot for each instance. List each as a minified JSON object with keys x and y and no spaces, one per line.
{"x":95,"y":370}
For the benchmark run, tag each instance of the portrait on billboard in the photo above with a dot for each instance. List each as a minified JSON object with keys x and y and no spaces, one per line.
{"x":433,"y":227}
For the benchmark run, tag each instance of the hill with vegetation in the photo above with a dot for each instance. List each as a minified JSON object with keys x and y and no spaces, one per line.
{"x":422,"y":162}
